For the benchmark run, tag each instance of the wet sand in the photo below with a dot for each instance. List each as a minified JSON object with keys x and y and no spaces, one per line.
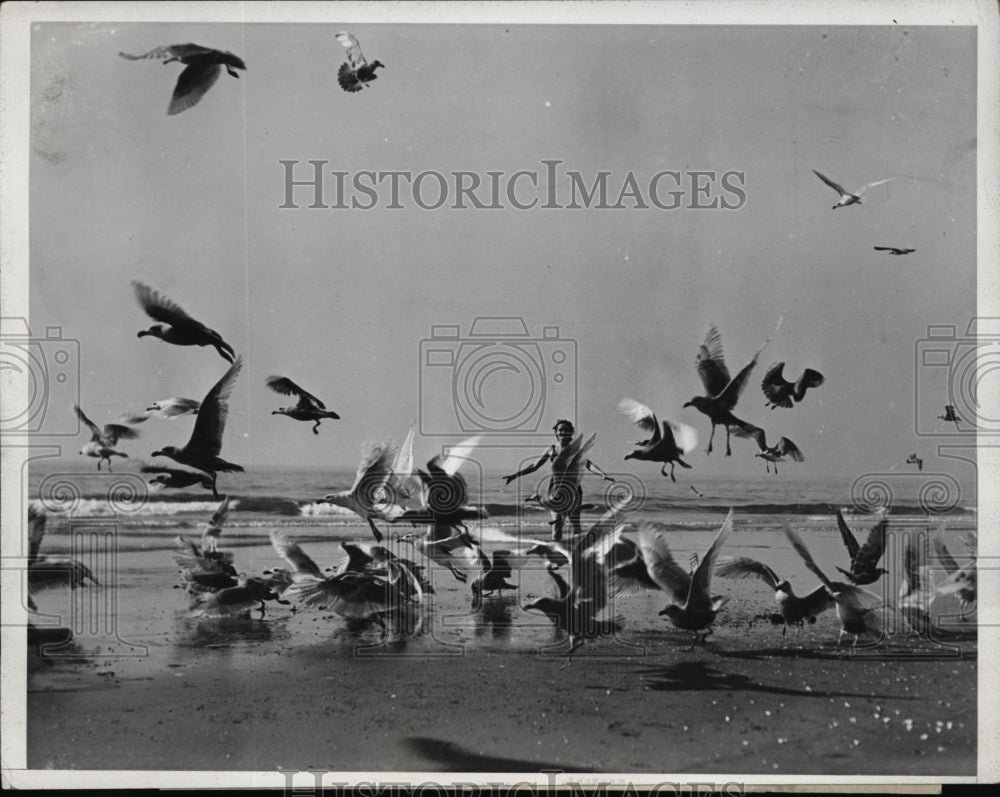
{"x":488,"y":690}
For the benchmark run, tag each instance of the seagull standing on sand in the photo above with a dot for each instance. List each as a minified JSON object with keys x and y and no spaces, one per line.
{"x":102,"y":442}
{"x":693,"y":607}
{"x":181,"y":329}
{"x":780,"y":393}
{"x":846,"y":197}
{"x":204,"y":65}
{"x":864,"y":558}
{"x":855,"y":606}
{"x":201,"y":451}
{"x":913,"y":459}
{"x":794,"y":609}
{"x":721,"y":392}
{"x":358,"y":72}
{"x":665,"y":444}
{"x":894,"y":250}
{"x":494,"y":574}
{"x":309,"y":408}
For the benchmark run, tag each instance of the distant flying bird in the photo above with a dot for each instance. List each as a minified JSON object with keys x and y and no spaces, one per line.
{"x":693,"y":607}
{"x":47,"y":573}
{"x":950,"y":414}
{"x":201,"y":452}
{"x":864,"y":558}
{"x":913,"y":459}
{"x":176,"y":478}
{"x":721,"y":392}
{"x":204,"y":65}
{"x":696,"y":492}
{"x":181,"y":329}
{"x":846,"y":197}
{"x":164,"y":408}
{"x":794,"y":609}
{"x":102,"y":442}
{"x":855,"y":606}
{"x":358,"y":72}
{"x":780,"y":393}
{"x":665,"y":444}
{"x":894,"y":250}
{"x":309,"y":408}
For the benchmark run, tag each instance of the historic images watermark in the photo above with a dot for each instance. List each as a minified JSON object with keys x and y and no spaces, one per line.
{"x":312,"y":184}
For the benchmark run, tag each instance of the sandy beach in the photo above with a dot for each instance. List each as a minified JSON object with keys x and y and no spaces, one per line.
{"x":489,"y":690}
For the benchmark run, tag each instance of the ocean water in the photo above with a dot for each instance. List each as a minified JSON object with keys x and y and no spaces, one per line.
{"x":284,"y":497}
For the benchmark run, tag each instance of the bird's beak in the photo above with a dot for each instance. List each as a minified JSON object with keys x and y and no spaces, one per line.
{"x":156,"y":453}
{"x":662,"y":612}
{"x":687,"y":403}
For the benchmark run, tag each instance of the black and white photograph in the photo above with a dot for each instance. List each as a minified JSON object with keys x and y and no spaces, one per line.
{"x":499,"y":396}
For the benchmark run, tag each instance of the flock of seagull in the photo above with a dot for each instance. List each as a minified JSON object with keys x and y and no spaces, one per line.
{"x":375,"y":581}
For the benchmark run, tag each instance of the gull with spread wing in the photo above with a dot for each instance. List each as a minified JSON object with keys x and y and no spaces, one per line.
{"x":203,"y":68}
{"x":102,"y":442}
{"x":308,"y":408}
{"x":780,"y":392}
{"x":846,"y":197}
{"x":665,"y":444}
{"x":693,"y":607}
{"x":202,"y":450}
{"x":358,"y":72}
{"x":181,"y":329}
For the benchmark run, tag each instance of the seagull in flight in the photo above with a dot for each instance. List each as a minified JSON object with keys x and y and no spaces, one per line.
{"x":164,"y":408}
{"x":45,"y":573}
{"x":201,"y":451}
{"x":102,"y":442}
{"x":203,"y":67}
{"x":693,"y":607}
{"x":176,"y":478}
{"x":665,"y":444}
{"x":357,"y":72}
{"x":772,"y":455}
{"x":181,"y":329}
{"x":913,"y":459}
{"x":864,"y":558}
{"x":780,"y":393}
{"x":309,"y":408}
{"x":846,"y":197}
{"x":950,"y":414}
{"x":721,"y":391}
{"x":960,"y":581}
{"x":894,"y":250}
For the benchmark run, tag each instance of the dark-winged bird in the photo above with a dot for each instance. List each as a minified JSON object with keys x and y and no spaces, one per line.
{"x":950,"y":414}
{"x":894,"y":250}
{"x":846,"y":197}
{"x":693,"y":607}
{"x":913,"y":459}
{"x":721,"y":392}
{"x":781,"y":393}
{"x":864,"y":558}
{"x":181,"y":329}
{"x":358,"y":72}
{"x":494,"y":574}
{"x":309,"y":408}
{"x":164,"y":408}
{"x":665,"y":444}
{"x":855,"y":606}
{"x":176,"y":478}
{"x":201,"y":451}
{"x":794,"y":609}
{"x":102,"y":442}
{"x":204,"y":65}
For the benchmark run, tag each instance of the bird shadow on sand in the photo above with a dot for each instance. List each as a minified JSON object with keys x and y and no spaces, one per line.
{"x":451,"y":757}
{"x":220,"y":632}
{"x":700,"y":676}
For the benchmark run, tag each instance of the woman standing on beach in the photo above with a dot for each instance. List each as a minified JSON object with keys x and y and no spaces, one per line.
{"x":565,"y":494}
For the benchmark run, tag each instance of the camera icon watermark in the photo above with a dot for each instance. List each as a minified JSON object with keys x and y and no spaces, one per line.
{"x":496,"y":380}
{"x":38,"y":374}
{"x":955,"y":376}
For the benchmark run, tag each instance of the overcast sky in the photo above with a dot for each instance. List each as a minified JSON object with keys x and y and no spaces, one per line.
{"x":339,"y":300}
